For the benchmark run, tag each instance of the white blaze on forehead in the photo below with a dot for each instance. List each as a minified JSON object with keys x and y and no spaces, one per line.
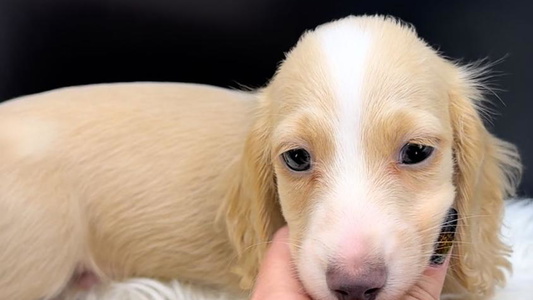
{"x":346,"y":50}
{"x":356,"y":227}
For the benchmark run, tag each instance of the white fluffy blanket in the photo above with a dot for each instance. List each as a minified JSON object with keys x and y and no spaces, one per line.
{"x":518,"y":231}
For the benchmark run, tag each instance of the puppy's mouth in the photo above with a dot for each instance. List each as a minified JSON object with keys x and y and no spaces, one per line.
{"x":446,"y":237}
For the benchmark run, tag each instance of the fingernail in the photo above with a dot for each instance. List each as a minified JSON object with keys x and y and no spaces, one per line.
{"x":445,"y":240}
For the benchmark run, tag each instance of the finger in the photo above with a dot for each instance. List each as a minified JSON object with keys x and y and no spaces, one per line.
{"x":429,"y":286}
{"x":277,"y":279}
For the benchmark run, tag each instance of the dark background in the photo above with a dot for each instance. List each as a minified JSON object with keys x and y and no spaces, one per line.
{"x":46,"y":44}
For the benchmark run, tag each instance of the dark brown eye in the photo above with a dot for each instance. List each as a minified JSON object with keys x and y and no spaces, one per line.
{"x":415,"y":153}
{"x":298,"y":160}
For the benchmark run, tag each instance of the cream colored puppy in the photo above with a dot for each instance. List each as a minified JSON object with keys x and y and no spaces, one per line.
{"x":362,"y":142}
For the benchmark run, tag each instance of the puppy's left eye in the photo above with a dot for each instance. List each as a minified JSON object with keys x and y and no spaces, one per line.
{"x":415,"y":153}
{"x":298,"y":160}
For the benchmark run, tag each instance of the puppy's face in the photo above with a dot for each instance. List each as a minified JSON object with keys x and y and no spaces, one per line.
{"x":362,"y":151}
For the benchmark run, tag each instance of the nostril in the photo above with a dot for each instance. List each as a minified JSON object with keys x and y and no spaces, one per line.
{"x":341,"y":292}
{"x":352,"y":293}
{"x":371,"y":293}
{"x":356,"y":292}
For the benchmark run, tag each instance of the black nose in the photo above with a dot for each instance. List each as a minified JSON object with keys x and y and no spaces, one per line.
{"x":366,"y":285}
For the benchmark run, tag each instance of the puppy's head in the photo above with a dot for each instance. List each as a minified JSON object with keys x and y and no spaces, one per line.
{"x":365,"y":139}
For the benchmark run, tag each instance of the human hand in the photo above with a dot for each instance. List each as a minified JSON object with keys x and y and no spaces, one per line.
{"x":277,"y":279}
{"x":429,"y":286}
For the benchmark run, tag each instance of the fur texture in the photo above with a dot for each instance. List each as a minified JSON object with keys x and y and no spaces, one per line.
{"x":187,"y":182}
{"x":517,"y":231}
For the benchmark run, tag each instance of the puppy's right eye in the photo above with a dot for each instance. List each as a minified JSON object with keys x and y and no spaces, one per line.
{"x":298,"y":160}
{"x":415,"y":153}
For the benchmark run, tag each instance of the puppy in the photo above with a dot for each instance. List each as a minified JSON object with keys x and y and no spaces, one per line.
{"x":361,"y":143}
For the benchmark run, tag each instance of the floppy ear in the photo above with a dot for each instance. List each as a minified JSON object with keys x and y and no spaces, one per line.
{"x":486,"y":172}
{"x":251,"y":206}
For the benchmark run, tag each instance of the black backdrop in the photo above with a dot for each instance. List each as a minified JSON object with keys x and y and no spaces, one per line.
{"x":45,"y":44}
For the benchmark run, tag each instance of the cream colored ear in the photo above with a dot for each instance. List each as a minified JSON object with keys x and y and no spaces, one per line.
{"x":487,"y":170}
{"x":251,"y":207}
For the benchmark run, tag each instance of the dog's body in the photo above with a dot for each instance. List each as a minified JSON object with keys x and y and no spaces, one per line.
{"x":189,"y":182}
{"x":145,"y":201}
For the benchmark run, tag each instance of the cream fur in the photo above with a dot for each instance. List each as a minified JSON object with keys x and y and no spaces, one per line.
{"x":517,"y":230}
{"x":180,"y":181}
